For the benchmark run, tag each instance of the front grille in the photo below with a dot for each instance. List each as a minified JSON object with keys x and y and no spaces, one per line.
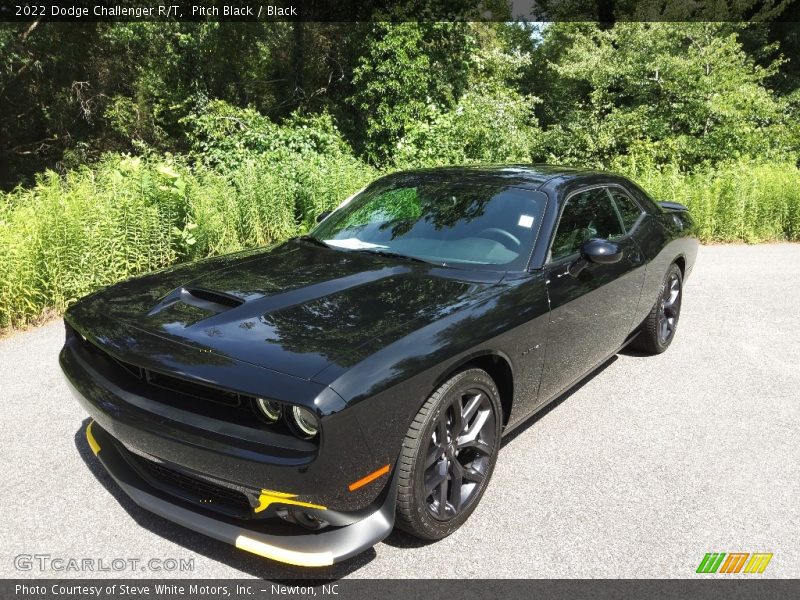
{"x":198,"y":491}
{"x":187,"y":389}
{"x":190,"y":396}
{"x":182,"y":386}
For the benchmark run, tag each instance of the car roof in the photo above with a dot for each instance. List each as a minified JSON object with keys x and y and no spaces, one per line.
{"x":530,"y":176}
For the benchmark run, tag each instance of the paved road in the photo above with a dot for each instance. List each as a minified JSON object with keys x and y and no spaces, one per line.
{"x":649,"y":465}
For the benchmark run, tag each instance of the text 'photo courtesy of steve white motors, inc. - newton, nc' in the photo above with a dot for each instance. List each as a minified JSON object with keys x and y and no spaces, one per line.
{"x":169,"y":11}
{"x":165,"y":590}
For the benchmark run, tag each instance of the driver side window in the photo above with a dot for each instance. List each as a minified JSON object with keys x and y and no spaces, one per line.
{"x":586,"y":215}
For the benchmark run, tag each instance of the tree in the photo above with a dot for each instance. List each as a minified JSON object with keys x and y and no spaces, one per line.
{"x":663,"y":92}
{"x":404,"y":69}
{"x":491,"y":122}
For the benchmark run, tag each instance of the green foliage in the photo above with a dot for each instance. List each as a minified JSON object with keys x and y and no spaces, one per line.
{"x":490,"y":122}
{"x":133,"y":123}
{"x":65,"y":237}
{"x":221,"y":135}
{"x":255,"y":208}
{"x":682,"y":93}
{"x":315,"y":166}
{"x":405,"y":69}
{"x":740,"y":201}
{"x":491,"y":126}
{"x":243,"y":133}
{"x":323,"y":182}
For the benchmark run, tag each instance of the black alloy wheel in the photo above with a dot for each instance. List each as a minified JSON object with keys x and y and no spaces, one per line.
{"x":658,"y":329}
{"x":449,"y":455}
{"x":458,"y":454}
{"x":670,"y":308}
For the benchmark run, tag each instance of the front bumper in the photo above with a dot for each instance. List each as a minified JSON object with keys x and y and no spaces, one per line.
{"x":271,"y":537}
{"x":144,"y":419}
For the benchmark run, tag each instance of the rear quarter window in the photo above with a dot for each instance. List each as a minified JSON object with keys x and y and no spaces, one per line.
{"x":629,"y":211}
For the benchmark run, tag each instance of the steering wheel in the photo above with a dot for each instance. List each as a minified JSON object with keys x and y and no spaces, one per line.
{"x":509,"y":237}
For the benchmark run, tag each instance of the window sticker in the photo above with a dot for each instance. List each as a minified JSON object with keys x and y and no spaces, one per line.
{"x":525,"y":221}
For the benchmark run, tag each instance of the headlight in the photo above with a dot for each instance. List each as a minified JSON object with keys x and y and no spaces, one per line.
{"x":304,"y":422}
{"x":269,"y":409}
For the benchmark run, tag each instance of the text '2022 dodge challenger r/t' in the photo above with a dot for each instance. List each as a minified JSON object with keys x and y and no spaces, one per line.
{"x":300,"y":401}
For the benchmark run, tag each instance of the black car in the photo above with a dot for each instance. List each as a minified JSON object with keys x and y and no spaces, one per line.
{"x":301,"y":400}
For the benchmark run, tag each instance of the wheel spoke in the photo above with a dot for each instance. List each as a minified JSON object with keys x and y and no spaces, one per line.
{"x":456,"y":477}
{"x":670,"y":302}
{"x":469,"y":410}
{"x":478,"y":445}
{"x":441,"y":429}
{"x":434,"y":453}
{"x":458,"y":419}
{"x":437,"y":476}
{"x":443,"y":499}
{"x":671,"y":291}
{"x":664,"y":332}
{"x":471,"y":434}
{"x":472,"y":474}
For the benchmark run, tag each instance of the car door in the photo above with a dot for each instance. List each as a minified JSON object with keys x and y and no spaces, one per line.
{"x":591,"y":309}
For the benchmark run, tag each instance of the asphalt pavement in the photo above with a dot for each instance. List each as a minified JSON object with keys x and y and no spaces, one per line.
{"x":647,"y":466}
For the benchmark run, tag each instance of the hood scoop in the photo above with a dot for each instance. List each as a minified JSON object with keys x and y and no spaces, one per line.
{"x":209,"y":301}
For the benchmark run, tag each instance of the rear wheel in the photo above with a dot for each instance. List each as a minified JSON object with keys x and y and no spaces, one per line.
{"x":658,"y":329}
{"x":448,"y":455}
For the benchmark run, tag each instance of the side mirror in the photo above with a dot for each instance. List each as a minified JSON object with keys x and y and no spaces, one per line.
{"x":323,"y":215}
{"x":602,"y":252}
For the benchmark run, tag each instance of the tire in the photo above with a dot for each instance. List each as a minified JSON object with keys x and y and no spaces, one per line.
{"x":658,"y":329}
{"x":446,"y":446}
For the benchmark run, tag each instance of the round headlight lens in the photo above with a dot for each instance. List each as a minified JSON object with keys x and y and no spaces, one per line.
{"x":305,"y":422}
{"x":269,"y":409}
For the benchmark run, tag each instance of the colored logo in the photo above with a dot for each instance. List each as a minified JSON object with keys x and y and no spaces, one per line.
{"x":734,"y":562}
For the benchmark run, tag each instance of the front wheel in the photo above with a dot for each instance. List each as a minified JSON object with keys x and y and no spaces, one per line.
{"x":658,"y":329}
{"x":448,"y":455}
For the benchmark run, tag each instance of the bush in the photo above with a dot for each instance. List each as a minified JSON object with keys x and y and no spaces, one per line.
{"x":225,"y":136}
{"x":251,"y":206}
{"x":485,"y":126}
{"x":285,"y":174}
{"x":250,"y":183}
{"x":323,"y":182}
{"x":66,"y":237}
{"x":734,"y":202}
{"x":677,"y":93}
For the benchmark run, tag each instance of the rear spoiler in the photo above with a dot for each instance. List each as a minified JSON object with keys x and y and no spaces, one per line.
{"x":673,"y":207}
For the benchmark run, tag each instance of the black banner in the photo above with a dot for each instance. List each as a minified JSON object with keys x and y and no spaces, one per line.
{"x":358,"y":589}
{"x":78,"y":11}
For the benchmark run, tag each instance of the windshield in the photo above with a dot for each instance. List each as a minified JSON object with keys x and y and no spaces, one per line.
{"x":443,"y":222}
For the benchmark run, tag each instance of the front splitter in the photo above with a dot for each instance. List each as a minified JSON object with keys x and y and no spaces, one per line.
{"x":307,"y":549}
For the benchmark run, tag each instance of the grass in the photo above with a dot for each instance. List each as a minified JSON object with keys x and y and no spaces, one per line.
{"x":66,"y":237}
{"x":736,"y":202}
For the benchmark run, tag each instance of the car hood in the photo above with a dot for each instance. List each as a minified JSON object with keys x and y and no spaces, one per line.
{"x":296,"y":308}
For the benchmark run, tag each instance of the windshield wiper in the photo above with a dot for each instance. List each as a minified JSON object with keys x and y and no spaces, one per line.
{"x":313,"y":240}
{"x":401,"y":256}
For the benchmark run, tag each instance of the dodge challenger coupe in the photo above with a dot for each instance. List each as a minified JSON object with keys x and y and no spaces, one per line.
{"x":299,"y":401}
